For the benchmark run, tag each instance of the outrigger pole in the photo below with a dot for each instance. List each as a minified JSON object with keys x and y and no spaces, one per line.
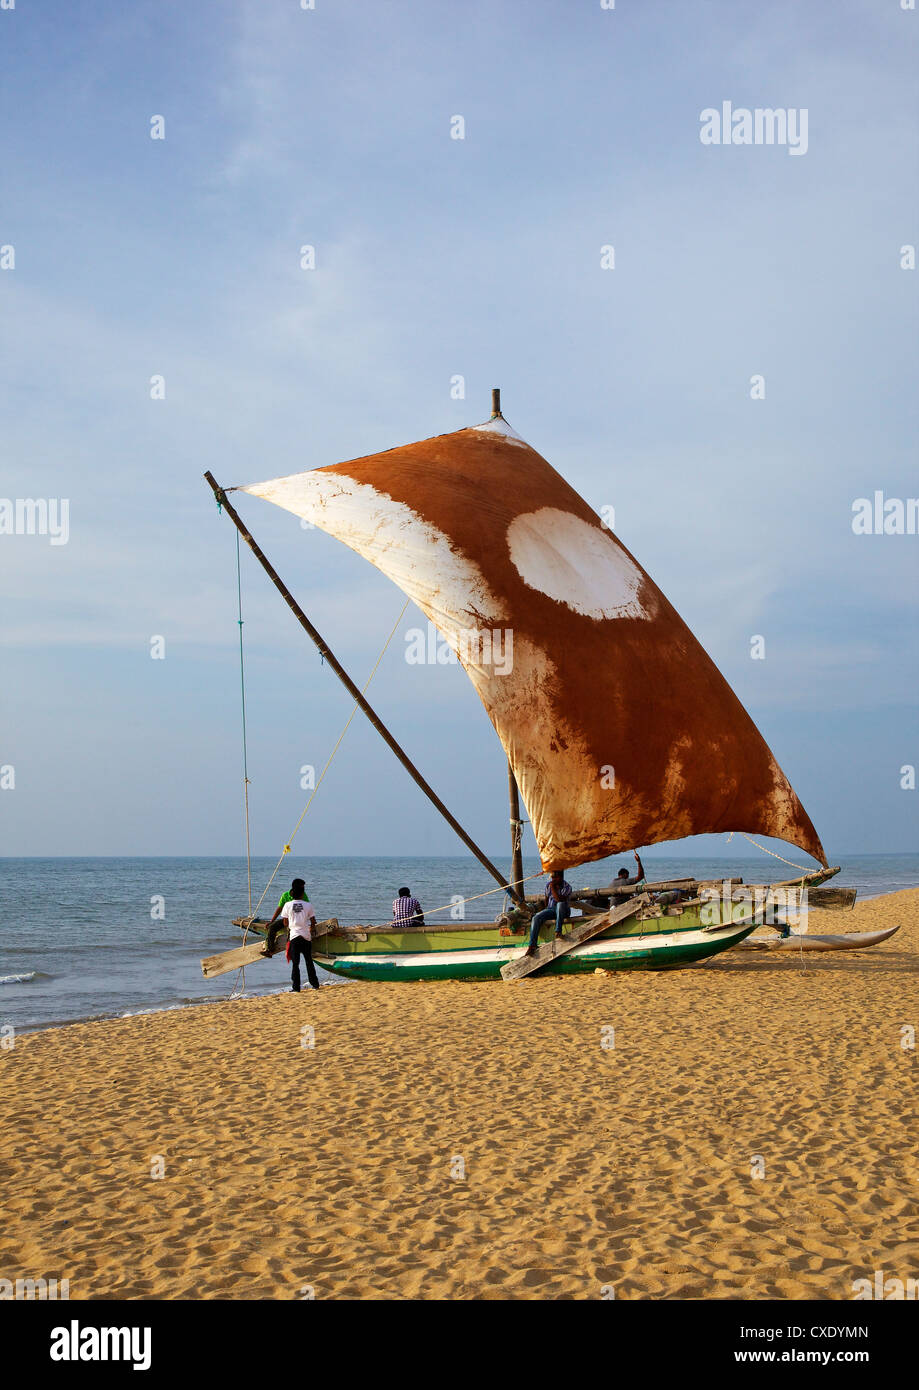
{"x":352,"y":689}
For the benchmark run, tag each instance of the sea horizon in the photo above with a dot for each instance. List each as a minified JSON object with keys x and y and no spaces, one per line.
{"x":492,"y":854}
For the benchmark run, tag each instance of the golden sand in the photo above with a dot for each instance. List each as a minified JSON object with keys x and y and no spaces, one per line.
{"x":480,"y":1141}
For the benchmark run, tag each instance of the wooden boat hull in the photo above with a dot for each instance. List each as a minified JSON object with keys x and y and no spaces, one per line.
{"x":845,"y":941}
{"x":656,"y":938}
{"x":652,"y":950}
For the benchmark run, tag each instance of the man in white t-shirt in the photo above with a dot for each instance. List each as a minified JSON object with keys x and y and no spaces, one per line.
{"x":299,"y":916}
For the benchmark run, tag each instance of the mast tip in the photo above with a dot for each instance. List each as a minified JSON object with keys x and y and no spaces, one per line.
{"x":495,"y":403}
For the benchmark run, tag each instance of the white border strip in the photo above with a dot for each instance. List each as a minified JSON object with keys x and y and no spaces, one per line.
{"x":505,"y":953}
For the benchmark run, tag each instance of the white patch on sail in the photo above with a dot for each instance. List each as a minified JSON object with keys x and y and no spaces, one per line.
{"x":501,"y":427}
{"x":413,"y":553}
{"x":575,"y":563}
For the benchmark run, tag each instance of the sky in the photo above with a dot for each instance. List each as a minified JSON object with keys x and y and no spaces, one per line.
{"x":439,"y":258}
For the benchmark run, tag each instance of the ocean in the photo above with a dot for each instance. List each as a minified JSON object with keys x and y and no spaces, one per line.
{"x":106,"y":938}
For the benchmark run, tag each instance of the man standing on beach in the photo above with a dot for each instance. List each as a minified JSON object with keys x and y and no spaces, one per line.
{"x":298,"y":891}
{"x":299,"y":915}
{"x":558,"y":905}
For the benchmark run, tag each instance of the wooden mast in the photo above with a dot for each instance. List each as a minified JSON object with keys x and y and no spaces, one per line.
{"x":516,"y":838}
{"x":517,"y":890}
{"x":348,"y":683}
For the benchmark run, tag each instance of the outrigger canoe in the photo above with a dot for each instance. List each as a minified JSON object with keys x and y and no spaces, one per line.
{"x":477,"y":951}
{"x":635,"y":934}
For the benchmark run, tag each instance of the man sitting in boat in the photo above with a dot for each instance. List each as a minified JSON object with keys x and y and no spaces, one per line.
{"x":558,"y":905}
{"x":406,"y":910}
{"x":297,"y":892}
{"x":626,"y":880}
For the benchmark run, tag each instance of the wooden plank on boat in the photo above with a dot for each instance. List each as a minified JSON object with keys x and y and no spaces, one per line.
{"x":249,"y":954}
{"x":233,"y":960}
{"x":582,"y":931}
{"x":831,"y":897}
{"x":791,"y":893}
{"x":662,"y":885}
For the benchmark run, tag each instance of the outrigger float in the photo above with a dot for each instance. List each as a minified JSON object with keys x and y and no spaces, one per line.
{"x":619,"y":730}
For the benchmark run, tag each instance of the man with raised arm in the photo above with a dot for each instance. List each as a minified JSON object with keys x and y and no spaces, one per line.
{"x":626,"y":880}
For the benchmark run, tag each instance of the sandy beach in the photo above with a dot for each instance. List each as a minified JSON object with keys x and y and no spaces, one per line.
{"x":484,"y":1140}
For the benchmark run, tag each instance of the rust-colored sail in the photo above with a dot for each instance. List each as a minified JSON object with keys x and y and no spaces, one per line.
{"x":619,"y":728}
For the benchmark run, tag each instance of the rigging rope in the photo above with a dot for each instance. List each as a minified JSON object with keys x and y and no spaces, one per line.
{"x":241,"y":976}
{"x":802,"y":867}
{"x":242,"y":691}
{"x":540,"y":873}
{"x":805,"y":871}
{"x":286,"y":849}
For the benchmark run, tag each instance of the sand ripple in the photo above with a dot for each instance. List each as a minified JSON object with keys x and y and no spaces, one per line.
{"x":478,"y":1141}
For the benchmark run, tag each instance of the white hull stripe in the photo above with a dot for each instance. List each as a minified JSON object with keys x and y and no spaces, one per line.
{"x":619,"y":945}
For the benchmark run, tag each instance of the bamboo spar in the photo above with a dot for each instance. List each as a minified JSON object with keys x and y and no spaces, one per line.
{"x":348,"y":683}
{"x":516,"y":837}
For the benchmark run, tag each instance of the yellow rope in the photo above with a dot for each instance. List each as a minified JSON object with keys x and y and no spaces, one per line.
{"x":804,"y":870}
{"x":248,"y":851}
{"x":802,"y":867}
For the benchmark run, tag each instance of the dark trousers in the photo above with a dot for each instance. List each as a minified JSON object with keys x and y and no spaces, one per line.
{"x":301,"y":947}
{"x":560,"y":911}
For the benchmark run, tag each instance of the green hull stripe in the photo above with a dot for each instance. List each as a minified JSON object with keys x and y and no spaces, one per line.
{"x":653,"y":956}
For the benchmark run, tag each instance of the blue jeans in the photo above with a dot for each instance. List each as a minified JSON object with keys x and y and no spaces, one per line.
{"x":559,"y":912}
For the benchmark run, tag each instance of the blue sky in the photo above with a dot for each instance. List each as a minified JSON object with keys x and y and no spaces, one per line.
{"x":437,"y":257}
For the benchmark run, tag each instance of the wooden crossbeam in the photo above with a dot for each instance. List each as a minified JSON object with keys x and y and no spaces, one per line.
{"x":260,"y":925}
{"x":360,"y":931}
{"x":831,"y":897}
{"x":582,"y":931}
{"x":538,"y":899}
